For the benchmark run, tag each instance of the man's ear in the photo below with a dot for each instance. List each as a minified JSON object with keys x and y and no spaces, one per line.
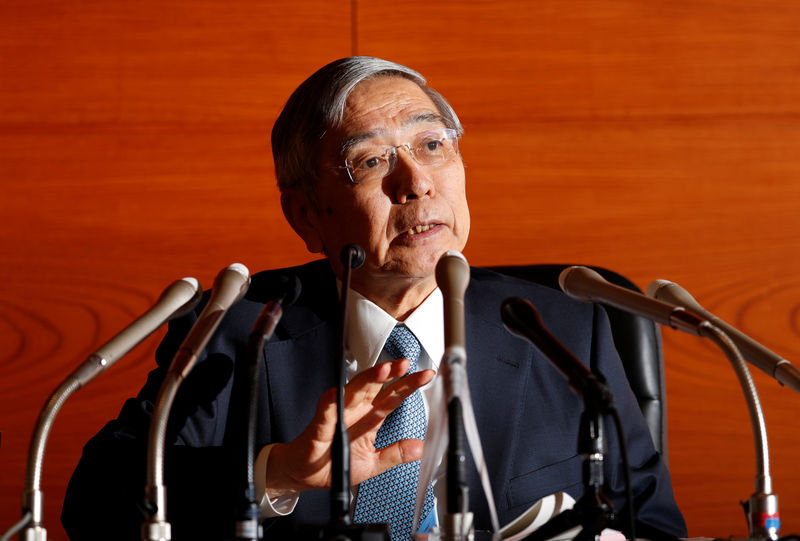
{"x":303,"y":219}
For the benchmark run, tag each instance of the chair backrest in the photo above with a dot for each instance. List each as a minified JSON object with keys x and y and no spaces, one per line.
{"x":638,"y":341}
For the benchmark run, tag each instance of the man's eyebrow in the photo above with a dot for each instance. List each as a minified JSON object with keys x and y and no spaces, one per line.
{"x":354,"y":140}
{"x":421,"y":118}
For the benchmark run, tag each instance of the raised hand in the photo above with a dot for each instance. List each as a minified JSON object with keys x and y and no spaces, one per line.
{"x":305,"y":463}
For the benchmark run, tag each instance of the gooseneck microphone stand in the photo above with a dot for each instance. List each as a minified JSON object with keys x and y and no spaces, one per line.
{"x":762,"y":509}
{"x":763,"y":519}
{"x":177,"y":299}
{"x":585,"y":284}
{"x":230,"y":285}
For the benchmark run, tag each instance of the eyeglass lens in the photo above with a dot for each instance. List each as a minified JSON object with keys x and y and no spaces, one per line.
{"x":374,"y":163}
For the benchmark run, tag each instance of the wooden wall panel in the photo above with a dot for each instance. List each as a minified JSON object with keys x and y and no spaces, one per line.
{"x":656,"y":138}
{"x":134,"y":149}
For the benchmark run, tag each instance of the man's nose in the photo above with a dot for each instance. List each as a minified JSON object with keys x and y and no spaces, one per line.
{"x":413,"y":180}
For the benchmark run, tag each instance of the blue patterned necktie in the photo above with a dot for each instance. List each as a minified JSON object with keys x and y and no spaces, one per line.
{"x":390,"y":497}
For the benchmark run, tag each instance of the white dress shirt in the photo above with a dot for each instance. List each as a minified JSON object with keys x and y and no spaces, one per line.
{"x":369,"y":328}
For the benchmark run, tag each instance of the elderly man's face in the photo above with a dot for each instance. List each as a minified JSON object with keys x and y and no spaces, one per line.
{"x":407,"y":220}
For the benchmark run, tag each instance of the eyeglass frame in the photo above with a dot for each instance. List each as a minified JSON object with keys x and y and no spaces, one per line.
{"x":449,"y":133}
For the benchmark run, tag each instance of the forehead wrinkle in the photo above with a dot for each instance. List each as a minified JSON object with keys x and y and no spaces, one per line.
{"x":354,"y":140}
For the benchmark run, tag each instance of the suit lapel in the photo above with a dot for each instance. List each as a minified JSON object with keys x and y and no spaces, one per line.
{"x":498,"y":367}
{"x":301,"y":358}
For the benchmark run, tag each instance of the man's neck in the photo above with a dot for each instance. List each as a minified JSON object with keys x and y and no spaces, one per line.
{"x":398,"y":297}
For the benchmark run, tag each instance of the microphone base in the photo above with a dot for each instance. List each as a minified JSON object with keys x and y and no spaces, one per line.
{"x":436,"y":535}
{"x":457,"y":527}
{"x":763,"y":518}
{"x":156,"y":530}
{"x":342,"y":532}
{"x":248,"y":530}
{"x":35,"y":533}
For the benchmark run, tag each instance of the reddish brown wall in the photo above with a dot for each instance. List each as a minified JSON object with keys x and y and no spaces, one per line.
{"x":658,"y":138}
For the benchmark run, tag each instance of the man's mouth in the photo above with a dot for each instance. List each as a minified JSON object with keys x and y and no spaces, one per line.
{"x":420,"y":229}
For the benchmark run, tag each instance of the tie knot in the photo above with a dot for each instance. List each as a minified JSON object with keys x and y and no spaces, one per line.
{"x":402,"y":344}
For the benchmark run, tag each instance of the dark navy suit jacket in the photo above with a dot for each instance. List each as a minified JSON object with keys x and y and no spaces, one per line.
{"x":527,"y":416}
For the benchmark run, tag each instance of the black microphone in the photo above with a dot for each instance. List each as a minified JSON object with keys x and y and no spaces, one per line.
{"x":352,"y":257}
{"x":452,"y":277}
{"x":340,"y":525}
{"x":758,"y":355}
{"x":230,"y":285}
{"x":585,"y":284}
{"x":178,"y":298}
{"x":522,"y":318}
{"x":247,"y":525}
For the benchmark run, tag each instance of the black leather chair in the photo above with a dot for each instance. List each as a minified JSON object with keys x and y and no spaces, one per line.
{"x":638,"y":341}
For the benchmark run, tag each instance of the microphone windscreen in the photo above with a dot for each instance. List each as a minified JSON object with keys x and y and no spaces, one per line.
{"x":352,"y":255}
{"x":667,"y":291}
{"x":452,"y":274}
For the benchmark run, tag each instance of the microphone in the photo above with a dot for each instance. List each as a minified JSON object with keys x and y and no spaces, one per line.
{"x":247,"y":526}
{"x":340,"y":525}
{"x":352,"y":256}
{"x":229,"y":287}
{"x":272,"y":312}
{"x":178,"y":298}
{"x":523,"y":319}
{"x":758,"y":355}
{"x":452,"y":277}
{"x":763,"y":518}
{"x":585,"y":284}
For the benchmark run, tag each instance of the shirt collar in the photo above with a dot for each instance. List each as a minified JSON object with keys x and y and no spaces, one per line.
{"x":370,"y":326}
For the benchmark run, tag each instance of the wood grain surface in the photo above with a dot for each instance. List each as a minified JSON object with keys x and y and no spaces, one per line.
{"x":657,"y":138}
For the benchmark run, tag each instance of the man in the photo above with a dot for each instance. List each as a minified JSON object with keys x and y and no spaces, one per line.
{"x":366,"y":153}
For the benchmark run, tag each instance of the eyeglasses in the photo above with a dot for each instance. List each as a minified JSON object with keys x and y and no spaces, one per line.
{"x":371,"y":163}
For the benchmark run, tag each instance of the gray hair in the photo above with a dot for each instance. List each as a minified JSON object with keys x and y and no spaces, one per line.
{"x":317,"y":105}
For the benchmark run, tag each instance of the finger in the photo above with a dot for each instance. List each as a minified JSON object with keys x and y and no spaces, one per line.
{"x":323,"y":425}
{"x":364,"y":387}
{"x":393,"y":394}
{"x":388,"y":400}
{"x":399,"y":452}
{"x":359,"y":395}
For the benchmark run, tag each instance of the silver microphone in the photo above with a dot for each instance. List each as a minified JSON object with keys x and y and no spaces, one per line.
{"x":452,"y":277}
{"x":585,"y":284}
{"x":177,"y":299}
{"x":230,"y":285}
{"x":758,"y":355}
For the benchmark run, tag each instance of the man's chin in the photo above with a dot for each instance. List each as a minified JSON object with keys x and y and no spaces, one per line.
{"x":411,"y":272}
